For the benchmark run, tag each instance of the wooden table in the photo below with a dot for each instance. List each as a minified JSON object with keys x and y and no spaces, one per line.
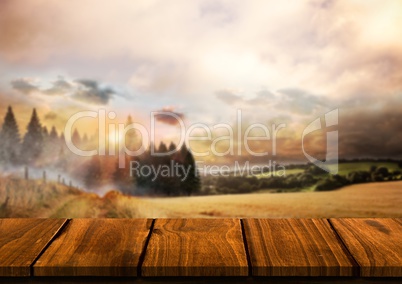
{"x":201,"y":250}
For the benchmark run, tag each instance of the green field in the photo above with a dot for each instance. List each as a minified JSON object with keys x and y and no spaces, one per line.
{"x":343,"y":168}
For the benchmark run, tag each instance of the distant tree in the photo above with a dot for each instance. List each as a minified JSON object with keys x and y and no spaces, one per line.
{"x":328,"y":183}
{"x":359,"y":176}
{"x":76,"y":138}
{"x":53,"y":133}
{"x":172,"y":147}
{"x":85,"y":143}
{"x":192,"y":182}
{"x":33,"y":140}
{"x":162,"y":148}
{"x":50,"y":156}
{"x":161,"y":184}
{"x":131,"y":137}
{"x":245,"y":187}
{"x":183,"y":152}
{"x":306,"y":180}
{"x":383,"y":171}
{"x":144,"y":182}
{"x":123,"y":179}
{"x":10,"y":139}
{"x":62,"y":153}
{"x":396,"y":172}
{"x":94,"y":173}
{"x":314,"y":170}
{"x":45,"y":132}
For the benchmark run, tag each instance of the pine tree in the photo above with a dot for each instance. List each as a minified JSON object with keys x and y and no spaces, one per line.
{"x":50,"y":156}
{"x":53,"y":134}
{"x":172,"y":147}
{"x":10,"y":139}
{"x":160,"y":183}
{"x":33,"y":140}
{"x":162,"y":148}
{"x":173,"y":182}
{"x":131,"y":137}
{"x":192,"y":183}
{"x":85,"y":142}
{"x":183,"y":153}
{"x":76,"y":138}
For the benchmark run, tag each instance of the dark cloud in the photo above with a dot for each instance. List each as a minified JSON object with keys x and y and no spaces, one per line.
{"x":90,"y":91}
{"x":59,"y":87}
{"x":169,"y":116}
{"x":371,"y":133}
{"x":50,"y":115}
{"x":24,"y":86}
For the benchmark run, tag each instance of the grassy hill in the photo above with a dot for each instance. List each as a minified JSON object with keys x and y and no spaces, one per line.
{"x":34,"y":198}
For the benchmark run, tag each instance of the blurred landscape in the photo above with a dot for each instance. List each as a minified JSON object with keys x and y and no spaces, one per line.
{"x":350,"y":195}
{"x":256,"y":108}
{"x":35,"y":199}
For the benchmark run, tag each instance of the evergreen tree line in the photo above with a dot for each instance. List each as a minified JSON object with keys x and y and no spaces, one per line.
{"x":182,"y":179}
{"x":41,"y":148}
{"x":15,"y":150}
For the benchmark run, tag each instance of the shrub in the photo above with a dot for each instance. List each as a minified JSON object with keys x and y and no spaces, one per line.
{"x":359,"y":177}
{"x":382,"y":171}
{"x":328,"y":183}
{"x":306,"y":180}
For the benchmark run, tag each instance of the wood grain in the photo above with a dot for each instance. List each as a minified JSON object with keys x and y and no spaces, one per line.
{"x":376,"y":244}
{"x":95,"y":247}
{"x":21,"y":242}
{"x":196,"y":247}
{"x":296,"y":247}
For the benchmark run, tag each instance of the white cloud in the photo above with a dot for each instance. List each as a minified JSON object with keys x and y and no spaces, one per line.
{"x":187,"y":50}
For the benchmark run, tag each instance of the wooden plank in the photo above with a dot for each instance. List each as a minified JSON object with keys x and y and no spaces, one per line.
{"x":196,"y":247}
{"x":21,"y":242}
{"x":296,"y":247}
{"x":376,"y":244}
{"x":96,"y":247}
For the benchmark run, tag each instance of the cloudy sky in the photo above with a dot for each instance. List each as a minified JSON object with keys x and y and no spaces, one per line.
{"x":278,"y":61}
